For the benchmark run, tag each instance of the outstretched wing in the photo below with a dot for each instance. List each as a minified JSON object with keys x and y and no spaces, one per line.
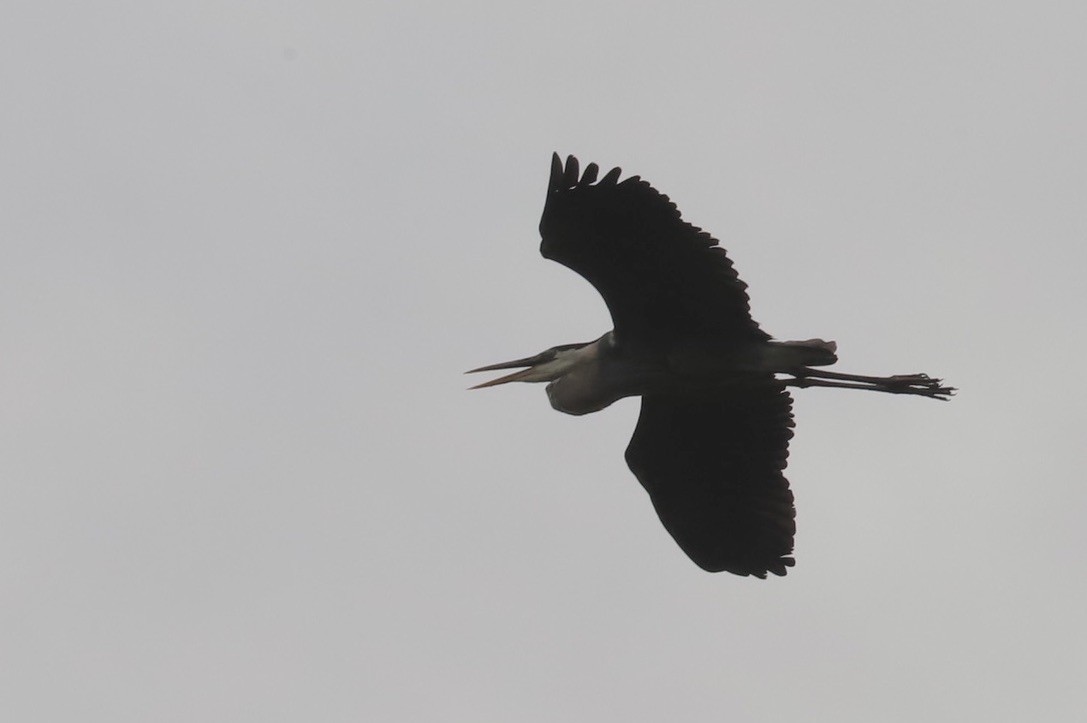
{"x":712,"y":464}
{"x":661,"y":277}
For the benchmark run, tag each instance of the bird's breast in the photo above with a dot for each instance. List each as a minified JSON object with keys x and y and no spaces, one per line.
{"x":580,"y":393}
{"x":596,"y":386}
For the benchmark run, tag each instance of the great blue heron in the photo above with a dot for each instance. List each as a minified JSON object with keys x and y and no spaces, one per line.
{"x":713,"y":434}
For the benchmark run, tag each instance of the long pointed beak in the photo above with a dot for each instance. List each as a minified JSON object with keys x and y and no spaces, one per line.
{"x":529,"y":362}
{"x":515,"y":377}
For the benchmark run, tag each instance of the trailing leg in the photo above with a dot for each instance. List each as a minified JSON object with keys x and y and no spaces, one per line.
{"x":917,"y":384}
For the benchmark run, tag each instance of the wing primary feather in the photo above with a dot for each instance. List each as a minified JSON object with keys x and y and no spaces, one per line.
{"x":569,"y":180}
{"x":612,"y":177}
{"x":556,"y":172}
{"x":589,"y":177}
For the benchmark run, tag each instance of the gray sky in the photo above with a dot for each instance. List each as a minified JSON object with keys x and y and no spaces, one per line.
{"x":249,"y":248}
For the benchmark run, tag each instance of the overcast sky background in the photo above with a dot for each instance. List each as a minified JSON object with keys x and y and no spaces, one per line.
{"x":248,"y":249}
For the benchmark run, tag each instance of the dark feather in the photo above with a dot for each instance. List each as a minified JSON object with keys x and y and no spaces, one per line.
{"x":661,"y":277}
{"x":589,"y":177}
{"x":713,"y":466}
{"x":569,"y":179}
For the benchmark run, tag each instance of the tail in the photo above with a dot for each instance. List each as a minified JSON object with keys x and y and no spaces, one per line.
{"x":808,"y":353}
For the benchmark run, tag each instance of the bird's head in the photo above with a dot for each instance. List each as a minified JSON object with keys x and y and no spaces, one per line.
{"x":543,"y":367}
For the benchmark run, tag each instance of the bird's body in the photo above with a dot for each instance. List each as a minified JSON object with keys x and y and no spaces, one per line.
{"x":712,"y":437}
{"x":596,"y":374}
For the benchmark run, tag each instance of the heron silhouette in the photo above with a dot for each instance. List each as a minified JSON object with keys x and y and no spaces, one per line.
{"x":712,"y":437}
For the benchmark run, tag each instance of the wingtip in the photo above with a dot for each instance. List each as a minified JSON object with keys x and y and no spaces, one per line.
{"x":611,"y":177}
{"x":570,"y":176}
{"x":589,"y":177}
{"x":556,"y":171}
{"x":567,"y":174}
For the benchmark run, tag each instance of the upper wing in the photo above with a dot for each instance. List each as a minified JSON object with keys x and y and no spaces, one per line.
{"x":712,"y":465}
{"x":661,"y":277}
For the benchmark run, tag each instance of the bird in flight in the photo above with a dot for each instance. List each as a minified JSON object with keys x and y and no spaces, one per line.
{"x":712,"y":437}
